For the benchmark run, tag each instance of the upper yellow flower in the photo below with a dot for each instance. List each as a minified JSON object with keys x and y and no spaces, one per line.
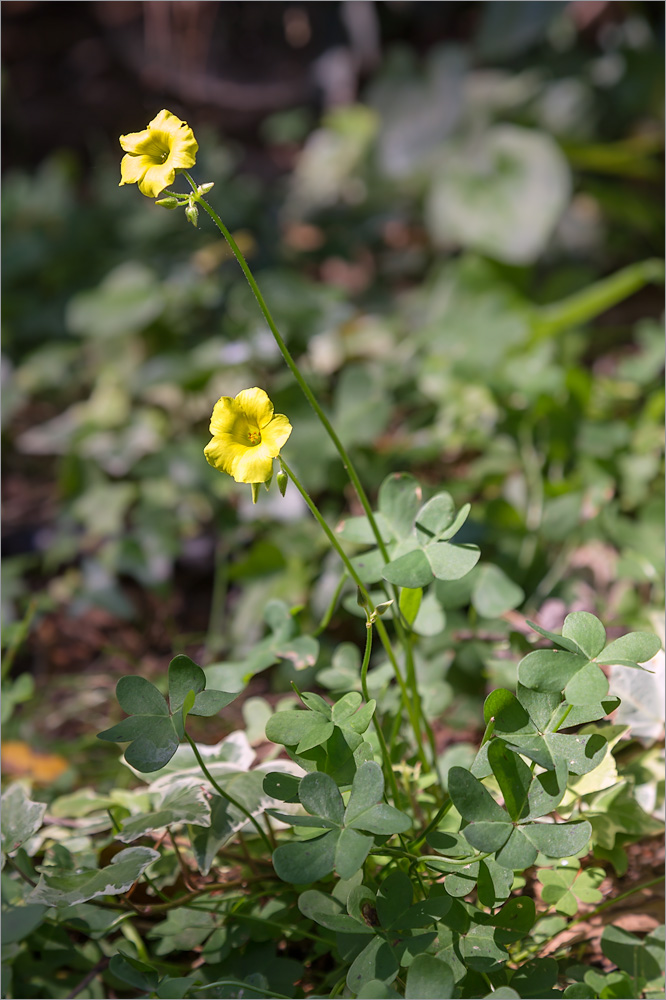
{"x":247,"y":436}
{"x":154,"y":155}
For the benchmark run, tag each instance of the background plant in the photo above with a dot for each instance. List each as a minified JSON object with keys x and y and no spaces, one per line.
{"x":550,"y":428}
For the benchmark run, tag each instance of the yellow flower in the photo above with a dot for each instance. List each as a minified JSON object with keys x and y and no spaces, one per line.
{"x":247,"y":436}
{"x":154,"y":155}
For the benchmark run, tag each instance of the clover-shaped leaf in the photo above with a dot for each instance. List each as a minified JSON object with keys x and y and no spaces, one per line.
{"x":491,"y":828}
{"x":574,"y":668}
{"x":417,"y":536}
{"x":528,"y":725}
{"x":154,"y":729}
{"x":346,"y":844}
{"x":382,"y":931}
{"x":325,"y":738}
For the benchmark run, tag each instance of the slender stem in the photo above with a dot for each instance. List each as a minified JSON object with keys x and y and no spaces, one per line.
{"x":597,"y":298}
{"x":381,"y":630}
{"x":415,"y":710}
{"x":225,"y":795}
{"x":433,"y":824}
{"x":291,"y":364}
{"x":388,"y":767}
{"x":328,"y":614}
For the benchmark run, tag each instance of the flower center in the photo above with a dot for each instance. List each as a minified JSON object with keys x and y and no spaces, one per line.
{"x":254,"y":435}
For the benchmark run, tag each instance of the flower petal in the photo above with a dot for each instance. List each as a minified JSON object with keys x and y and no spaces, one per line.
{"x":224,"y":415}
{"x":156,"y":179}
{"x":133,"y":168}
{"x":256,"y":405}
{"x":275,"y":434}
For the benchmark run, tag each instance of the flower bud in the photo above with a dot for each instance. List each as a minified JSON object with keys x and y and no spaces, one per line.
{"x":168,"y":202}
{"x":192,"y":214}
{"x":205,"y":188}
{"x":282,"y":480}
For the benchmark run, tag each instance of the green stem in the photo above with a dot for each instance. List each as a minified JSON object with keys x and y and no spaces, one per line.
{"x":433,"y":824}
{"x":388,"y":767}
{"x":291,"y":364}
{"x":225,"y":795}
{"x":585,"y":305}
{"x":415,"y":711}
{"x":328,"y":614}
{"x":381,"y":630}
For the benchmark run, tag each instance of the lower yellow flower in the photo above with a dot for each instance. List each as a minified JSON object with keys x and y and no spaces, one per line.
{"x":154,"y":155}
{"x":247,"y":436}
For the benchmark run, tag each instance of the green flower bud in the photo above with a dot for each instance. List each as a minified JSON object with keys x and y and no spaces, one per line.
{"x":282,"y":480}
{"x":192,"y":214}
{"x":205,"y":188}
{"x":168,"y":202}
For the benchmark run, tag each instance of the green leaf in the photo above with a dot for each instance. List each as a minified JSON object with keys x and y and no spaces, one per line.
{"x":434,"y":518}
{"x":125,"y":868}
{"x":547,"y":790}
{"x":638,"y":647}
{"x":559,"y":840}
{"x":399,"y":499}
{"x":517,"y":915}
{"x":367,"y":790}
{"x":138,"y":974}
{"x":153,"y":739}
{"x":505,"y":710}
{"x":549,"y":669}
{"x":517,"y":853}
{"x":21,"y":921}
{"x":513,"y":776}
{"x":345,"y":707}
{"x":308,"y":861}
{"x":580,"y":753}
{"x":482,"y":950}
{"x":150,"y":730}
{"x":330,"y":913}
{"x":21,"y":818}
{"x":428,"y":978}
{"x":559,"y":640}
{"x":366,"y":811}
{"x":137,"y":696}
{"x":303,"y":729}
{"x":589,"y":685}
{"x":472,"y":800}
{"x":394,"y":898}
{"x":320,"y":796}
{"x":494,"y":593}
{"x":411,"y":570}
{"x":630,"y":954}
{"x":182,"y":803}
{"x":376,"y":961}
{"x":410,"y":602}
{"x":282,"y":786}
{"x":493,"y":883}
{"x":351,"y":851}
{"x":425,"y":912}
{"x":586,"y":631}
{"x":184,"y":676}
{"x":451,"y":562}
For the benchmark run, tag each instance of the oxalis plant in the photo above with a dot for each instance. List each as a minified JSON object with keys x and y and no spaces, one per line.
{"x":345,"y":864}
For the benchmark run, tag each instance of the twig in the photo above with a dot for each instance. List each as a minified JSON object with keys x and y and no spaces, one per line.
{"x":88,"y":978}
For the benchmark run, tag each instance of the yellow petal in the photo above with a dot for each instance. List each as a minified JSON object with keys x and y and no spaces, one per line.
{"x":256,"y":405}
{"x":255,"y":465}
{"x":224,"y":415}
{"x":156,"y":179}
{"x":132,"y":169}
{"x":275,"y":434}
